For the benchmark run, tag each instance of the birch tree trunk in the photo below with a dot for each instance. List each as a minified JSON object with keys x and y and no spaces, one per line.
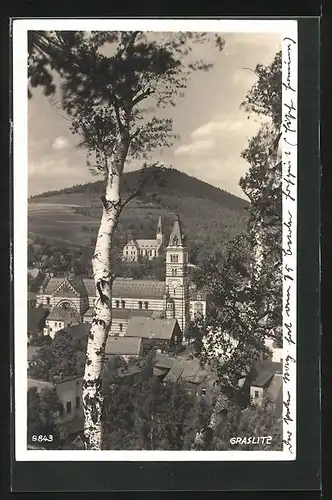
{"x":102,"y":320}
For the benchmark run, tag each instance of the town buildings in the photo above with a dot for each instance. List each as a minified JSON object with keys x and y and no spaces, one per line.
{"x":71,"y":300}
{"x":135,"y":249}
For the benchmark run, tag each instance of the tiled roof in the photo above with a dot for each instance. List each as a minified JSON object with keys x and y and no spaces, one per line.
{"x":163,"y":361}
{"x":262,"y":372}
{"x":78,"y":331}
{"x":150,"y":328}
{"x":140,"y":289}
{"x":123,"y":346}
{"x":148,"y":244}
{"x":188,"y":371}
{"x":36,"y":319}
{"x":122,"y":287}
{"x":121,"y":313}
{"x":67,"y":315}
{"x":51,"y":284}
{"x":89,"y":286}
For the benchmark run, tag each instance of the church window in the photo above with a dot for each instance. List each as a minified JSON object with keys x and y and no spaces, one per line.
{"x":121,"y":327}
{"x":123,"y":304}
{"x":174,"y":271}
{"x":140,"y":304}
{"x":48,"y":300}
{"x":117,"y":303}
{"x":146,"y":304}
{"x":174,"y":258}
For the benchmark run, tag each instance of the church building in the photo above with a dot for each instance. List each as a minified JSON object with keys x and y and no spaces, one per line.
{"x":135,"y":249}
{"x":175,"y":298}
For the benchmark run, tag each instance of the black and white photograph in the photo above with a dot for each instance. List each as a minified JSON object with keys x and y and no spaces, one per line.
{"x":155,"y":210}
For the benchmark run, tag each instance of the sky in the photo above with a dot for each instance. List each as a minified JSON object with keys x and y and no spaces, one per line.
{"x":213,"y":129}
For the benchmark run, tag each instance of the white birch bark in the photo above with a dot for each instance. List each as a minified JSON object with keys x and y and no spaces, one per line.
{"x":102,"y":320}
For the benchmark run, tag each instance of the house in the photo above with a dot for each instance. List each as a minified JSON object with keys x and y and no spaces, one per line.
{"x":200,"y":381}
{"x":36,"y":321}
{"x":127,"y":347}
{"x":69,"y":392}
{"x":161,"y":333}
{"x":59,"y":318}
{"x":265,"y":381}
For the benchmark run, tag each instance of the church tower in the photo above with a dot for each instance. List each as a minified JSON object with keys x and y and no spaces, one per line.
{"x":160,"y":232}
{"x":177,"y":281}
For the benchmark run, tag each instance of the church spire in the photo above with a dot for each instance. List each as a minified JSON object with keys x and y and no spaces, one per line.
{"x":160,"y":230}
{"x":176,"y":237}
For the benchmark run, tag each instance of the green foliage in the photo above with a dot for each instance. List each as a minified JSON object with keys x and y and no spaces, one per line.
{"x":264,"y":98}
{"x":245,"y":281}
{"x":149,"y":415}
{"x":253,"y":421}
{"x":65,"y":355}
{"x":42,"y":409}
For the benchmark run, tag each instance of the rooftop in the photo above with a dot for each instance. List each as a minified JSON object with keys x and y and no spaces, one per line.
{"x":263,"y":371}
{"x":151,"y":328}
{"x":123,"y":346}
{"x":62,"y":314}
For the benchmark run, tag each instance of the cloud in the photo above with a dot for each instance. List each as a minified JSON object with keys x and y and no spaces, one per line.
{"x":215,"y":127}
{"x":60,"y":143}
{"x":195,"y":147}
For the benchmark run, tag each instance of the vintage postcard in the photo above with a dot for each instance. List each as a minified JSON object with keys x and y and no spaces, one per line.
{"x":155,"y":233}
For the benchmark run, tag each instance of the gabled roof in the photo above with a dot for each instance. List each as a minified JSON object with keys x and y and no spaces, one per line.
{"x":129,"y":346}
{"x":77,"y":331}
{"x":148,"y":244}
{"x":151,"y":328}
{"x":262,"y":372}
{"x":66,"y":315}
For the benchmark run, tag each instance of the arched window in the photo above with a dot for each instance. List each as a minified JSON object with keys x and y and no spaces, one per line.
{"x":48,"y":300}
{"x":123,"y":304}
{"x":140,"y":305}
{"x":146,"y":304}
{"x":121,"y":327}
{"x":174,"y":258}
{"x":174,"y":271}
{"x":117,"y":303}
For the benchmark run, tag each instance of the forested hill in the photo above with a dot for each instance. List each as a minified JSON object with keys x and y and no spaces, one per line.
{"x":169,"y":182}
{"x":210,"y":216}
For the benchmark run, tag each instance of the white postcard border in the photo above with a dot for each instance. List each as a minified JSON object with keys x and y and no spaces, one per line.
{"x":288,"y":33}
